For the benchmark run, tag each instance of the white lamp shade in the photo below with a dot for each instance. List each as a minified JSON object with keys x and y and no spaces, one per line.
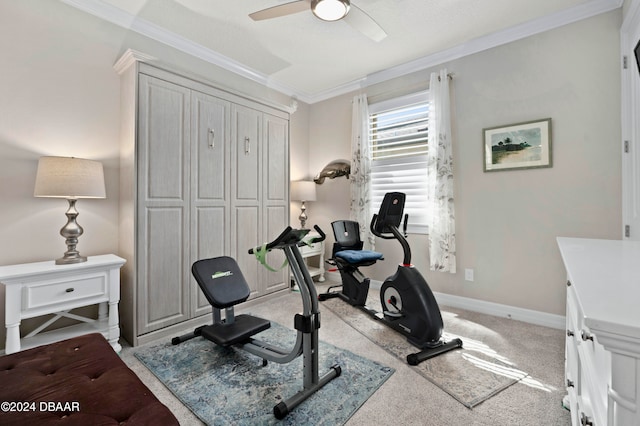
{"x":68,"y":177}
{"x":303,"y":191}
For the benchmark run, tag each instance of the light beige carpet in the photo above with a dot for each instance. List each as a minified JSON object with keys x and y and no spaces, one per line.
{"x":471,"y":375}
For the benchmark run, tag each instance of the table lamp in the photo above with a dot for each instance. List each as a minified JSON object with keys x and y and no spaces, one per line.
{"x":70,"y":178}
{"x":303,"y":191}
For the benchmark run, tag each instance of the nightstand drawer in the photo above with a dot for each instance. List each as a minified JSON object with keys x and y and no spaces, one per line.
{"x":51,"y":293}
{"x":311,"y":249}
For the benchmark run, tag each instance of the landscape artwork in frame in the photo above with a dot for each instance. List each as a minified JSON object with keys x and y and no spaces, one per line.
{"x":518,"y":146}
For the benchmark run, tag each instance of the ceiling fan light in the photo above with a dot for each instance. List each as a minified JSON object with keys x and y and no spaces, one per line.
{"x":330,"y":10}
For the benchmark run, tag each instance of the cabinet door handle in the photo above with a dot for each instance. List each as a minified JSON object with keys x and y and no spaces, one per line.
{"x":212,"y":138}
{"x":568,"y":283}
{"x":247,"y":146}
{"x":70,"y":290}
{"x":570,"y":333}
{"x":570,"y":383}
{"x":586,"y":336}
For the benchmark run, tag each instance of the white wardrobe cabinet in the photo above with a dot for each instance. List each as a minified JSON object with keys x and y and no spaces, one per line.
{"x":204,"y":173}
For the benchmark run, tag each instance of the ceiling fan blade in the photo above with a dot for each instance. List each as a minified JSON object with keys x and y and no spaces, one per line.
{"x":364,"y":23}
{"x":281,"y":10}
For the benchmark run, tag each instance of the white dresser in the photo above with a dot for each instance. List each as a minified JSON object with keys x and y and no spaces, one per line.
{"x":602,"y":367}
{"x":41,"y":288}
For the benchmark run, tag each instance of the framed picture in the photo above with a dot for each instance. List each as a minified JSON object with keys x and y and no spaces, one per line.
{"x":518,"y":146}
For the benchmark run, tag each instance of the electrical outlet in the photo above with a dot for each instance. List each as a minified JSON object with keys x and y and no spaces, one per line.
{"x":468,"y":274}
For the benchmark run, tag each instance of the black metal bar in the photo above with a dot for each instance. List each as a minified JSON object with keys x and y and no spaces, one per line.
{"x":418,"y":357}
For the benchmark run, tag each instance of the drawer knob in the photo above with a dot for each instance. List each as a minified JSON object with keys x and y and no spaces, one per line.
{"x":586,"y":336}
{"x":70,"y":290}
{"x":570,"y":333}
{"x":570,"y":383}
{"x":585,"y":420}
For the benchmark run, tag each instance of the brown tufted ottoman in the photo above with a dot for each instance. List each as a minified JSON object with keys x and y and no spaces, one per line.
{"x":80,"y":381}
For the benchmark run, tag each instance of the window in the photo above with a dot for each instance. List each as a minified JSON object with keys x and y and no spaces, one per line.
{"x":398,"y":133}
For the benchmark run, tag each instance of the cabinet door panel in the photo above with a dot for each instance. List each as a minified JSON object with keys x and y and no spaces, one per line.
{"x":246,"y":161}
{"x":247,"y":227}
{"x":210,"y":238}
{"x":163,"y":211}
{"x":209,"y":125}
{"x":162,"y":279}
{"x":276,"y":142}
{"x":276,"y":221}
{"x":164,"y":137}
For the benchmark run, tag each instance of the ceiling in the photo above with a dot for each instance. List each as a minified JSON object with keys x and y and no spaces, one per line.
{"x":313,"y":60}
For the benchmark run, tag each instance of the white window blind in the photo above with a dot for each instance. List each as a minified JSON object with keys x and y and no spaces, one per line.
{"x":398,"y":134}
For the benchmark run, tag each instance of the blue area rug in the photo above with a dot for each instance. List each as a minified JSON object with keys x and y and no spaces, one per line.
{"x":226,"y":386}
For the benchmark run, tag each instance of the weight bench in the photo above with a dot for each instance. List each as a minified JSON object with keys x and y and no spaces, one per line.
{"x":224,"y":286}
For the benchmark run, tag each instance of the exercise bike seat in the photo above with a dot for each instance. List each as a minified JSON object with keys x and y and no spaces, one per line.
{"x":224,"y":286}
{"x":348,"y":245}
{"x":359,"y":257}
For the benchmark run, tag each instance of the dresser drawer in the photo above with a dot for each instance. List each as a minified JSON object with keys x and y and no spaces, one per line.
{"x":61,"y":292}
{"x":588,"y":365}
{"x":595,"y":365}
{"x":572,"y":361}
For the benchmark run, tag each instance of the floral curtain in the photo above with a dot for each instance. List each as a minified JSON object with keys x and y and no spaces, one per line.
{"x":441,"y":213}
{"x":360,"y":176}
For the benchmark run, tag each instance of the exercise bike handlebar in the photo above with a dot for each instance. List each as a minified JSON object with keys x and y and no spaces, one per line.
{"x":375,"y":232}
{"x":290,"y":237}
{"x":395,"y":234}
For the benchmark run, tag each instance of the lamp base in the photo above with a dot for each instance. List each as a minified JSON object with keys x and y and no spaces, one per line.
{"x":71,"y":232}
{"x":303,"y":216}
{"x":67,"y":260}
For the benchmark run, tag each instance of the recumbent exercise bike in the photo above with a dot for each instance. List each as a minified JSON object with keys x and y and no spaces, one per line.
{"x":408,"y":305}
{"x":224,"y":286}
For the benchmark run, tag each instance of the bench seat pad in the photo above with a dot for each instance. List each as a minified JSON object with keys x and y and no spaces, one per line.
{"x":83,"y":370}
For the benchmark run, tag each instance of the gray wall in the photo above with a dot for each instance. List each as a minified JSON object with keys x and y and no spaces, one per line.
{"x":507,"y":221}
{"x":59,"y":95}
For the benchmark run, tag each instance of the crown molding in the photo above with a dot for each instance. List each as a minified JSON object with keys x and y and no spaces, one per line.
{"x":129,"y":58}
{"x":124,"y":19}
{"x":146,"y":28}
{"x":518,"y":32}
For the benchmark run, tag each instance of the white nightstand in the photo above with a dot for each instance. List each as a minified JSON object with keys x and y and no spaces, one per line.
{"x":36,"y":289}
{"x":311,"y":250}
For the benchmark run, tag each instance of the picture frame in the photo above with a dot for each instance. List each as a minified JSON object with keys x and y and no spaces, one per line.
{"x":524,"y":145}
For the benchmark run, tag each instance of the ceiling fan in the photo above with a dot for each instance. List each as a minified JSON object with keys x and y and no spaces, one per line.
{"x":327,"y":10}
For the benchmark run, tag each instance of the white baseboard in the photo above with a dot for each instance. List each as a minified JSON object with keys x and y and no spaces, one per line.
{"x":496,"y":309}
{"x":499,"y":310}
